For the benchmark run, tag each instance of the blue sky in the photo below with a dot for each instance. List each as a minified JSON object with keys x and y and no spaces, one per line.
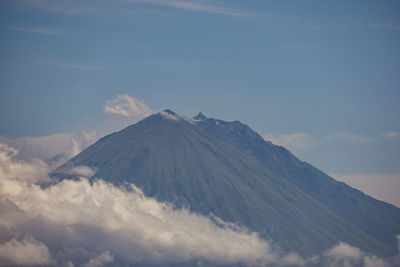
{"x":320,"y":77}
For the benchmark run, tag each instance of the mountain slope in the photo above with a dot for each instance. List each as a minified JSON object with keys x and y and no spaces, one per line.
{"x":377,"y":218}
{"x":202,"y":168}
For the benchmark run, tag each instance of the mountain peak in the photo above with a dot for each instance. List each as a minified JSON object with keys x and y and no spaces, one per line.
{"x":200,"y":117}
{"x":227,"y":169}
{"x":170,"y":115}
{"x":168,"y":111}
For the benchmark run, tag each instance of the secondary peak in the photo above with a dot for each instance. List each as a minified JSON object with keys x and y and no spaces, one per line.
{"x":168,"y":111}
{"x":200,"y":117}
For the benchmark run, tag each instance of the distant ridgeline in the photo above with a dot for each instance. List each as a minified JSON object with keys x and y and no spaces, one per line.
{"x":227,"y":169}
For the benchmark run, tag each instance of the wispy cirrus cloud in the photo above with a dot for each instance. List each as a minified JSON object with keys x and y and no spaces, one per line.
{"x":393,"y":27}
{"x":76,"y":66}
{"x":76,"y":7}
{"x":62,"y":6}
{"x":33,"y":30}
{"x":201,"y":7}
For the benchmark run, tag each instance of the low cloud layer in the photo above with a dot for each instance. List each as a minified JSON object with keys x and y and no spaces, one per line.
{"x":127,"y":106}
{"x":78,"y":223}
{"x":28,"y":251}
{"x":94,"y":224}
{"x":346,"y":255}
{"x":54,"y":149}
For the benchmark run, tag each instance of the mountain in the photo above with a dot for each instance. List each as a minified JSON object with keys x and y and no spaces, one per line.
{"x":362,"y":211}
{"x":225,"y":168}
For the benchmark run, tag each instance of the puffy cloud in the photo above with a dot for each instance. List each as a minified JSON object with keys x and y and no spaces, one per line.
{"x":292,"y":259}
{"x":345,"y":255}
{"x":100,"y":260}
{"x":98,"y":217}
{"x":291,"y":141}
{"x":127,"y":106}
{"x":374,"y":261}
{"x":19,"y":170}
{"x":343,"y":250}
{"x":82,"y":171}
{"x":54,"y":149}
{"x":28,"y":251}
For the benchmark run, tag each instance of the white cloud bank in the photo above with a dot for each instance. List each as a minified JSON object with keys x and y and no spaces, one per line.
{"x":81,"y":220}
{"x":54,"y":149}
{"x":127,"y":106}
{"x":28,"y":251}
{"x":346,"y":255}
{"x":95,"y":224}
{"x":100,"y":260}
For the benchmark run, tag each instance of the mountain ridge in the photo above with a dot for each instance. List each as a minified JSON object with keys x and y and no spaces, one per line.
{"x":311,"y":176}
